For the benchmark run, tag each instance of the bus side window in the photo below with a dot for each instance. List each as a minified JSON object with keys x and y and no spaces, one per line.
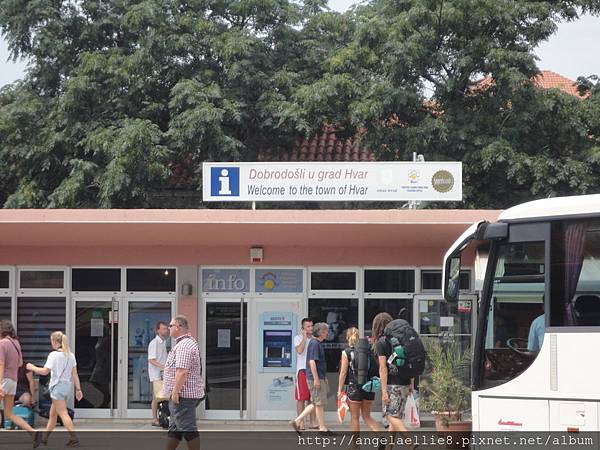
{"x":587,"y":310}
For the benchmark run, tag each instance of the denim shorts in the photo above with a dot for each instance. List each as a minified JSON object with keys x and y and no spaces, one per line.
{"x":9,"y":386}
{"x":61,"y":390}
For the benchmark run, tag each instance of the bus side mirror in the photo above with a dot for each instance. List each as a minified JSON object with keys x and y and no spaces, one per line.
{"x":452,"y":281}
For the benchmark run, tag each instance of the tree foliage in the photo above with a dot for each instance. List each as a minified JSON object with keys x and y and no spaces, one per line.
{"x":410,"y":77}
{"x":123,"y":98}
{"x":126,"y":97}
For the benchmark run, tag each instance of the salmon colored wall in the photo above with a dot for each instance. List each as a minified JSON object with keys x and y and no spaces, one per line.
{"x":188,"y":306}
{"x":293,"y":256}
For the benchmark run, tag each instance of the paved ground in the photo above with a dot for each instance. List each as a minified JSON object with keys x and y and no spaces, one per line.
{"x":203,"y":425}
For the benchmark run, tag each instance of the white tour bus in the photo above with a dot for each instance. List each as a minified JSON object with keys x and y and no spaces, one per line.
{"x":536,"y":356}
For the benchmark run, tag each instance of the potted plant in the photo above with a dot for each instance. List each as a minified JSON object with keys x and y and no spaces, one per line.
{"x":443,"y":389}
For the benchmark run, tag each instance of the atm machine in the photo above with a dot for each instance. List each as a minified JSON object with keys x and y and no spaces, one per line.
{"x":276,"y":363}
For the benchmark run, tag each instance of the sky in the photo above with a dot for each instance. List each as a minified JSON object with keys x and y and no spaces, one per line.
{"x":571,"y":51}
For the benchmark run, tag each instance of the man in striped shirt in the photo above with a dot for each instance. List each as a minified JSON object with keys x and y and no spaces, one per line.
{"x":183,"y":384}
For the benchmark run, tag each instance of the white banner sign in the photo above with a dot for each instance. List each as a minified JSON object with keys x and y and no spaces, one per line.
{"x":307,"y":181}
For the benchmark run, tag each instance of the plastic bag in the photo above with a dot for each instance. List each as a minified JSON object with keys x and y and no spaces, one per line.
{"x":411,"y":413}
{"x":342,"y":406}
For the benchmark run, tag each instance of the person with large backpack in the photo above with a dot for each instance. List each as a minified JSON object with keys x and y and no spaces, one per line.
{"x":401,"y":357}
{"x":359,"y":400}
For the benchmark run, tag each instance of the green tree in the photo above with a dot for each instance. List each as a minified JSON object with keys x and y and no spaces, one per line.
{"x":123,"y":98}
{"x":409,"y":77}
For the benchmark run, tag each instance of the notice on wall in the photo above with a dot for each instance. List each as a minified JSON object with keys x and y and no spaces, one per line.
{"x":423,"y":306}
{"x":332,"y":181}
{"x":280,"y":390}
{"x":447,"y":321}
{"x":97,"y":327}
{"x":223,"y":338}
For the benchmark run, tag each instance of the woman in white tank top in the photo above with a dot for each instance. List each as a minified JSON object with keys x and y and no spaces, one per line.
{"x":62,"y":367}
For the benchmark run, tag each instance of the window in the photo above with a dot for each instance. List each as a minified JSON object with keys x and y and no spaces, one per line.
{"x":4,"y":279}
{"x":96,"y":280}
{"x":151,"y":280}
{"x":576,"y":268}
{"x":383,"y":281}
{"x":37,"y":318}
{"x":333,"y":281}
{"x":5,"y":308}
{"x":41,"y":279}
{"x":516,"y":308}
{"x":398,"y":308}
{"x":431,"y":280}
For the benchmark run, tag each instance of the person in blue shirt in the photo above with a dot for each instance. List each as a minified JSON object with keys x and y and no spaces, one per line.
{"x":536,"y":333}
{"x":316,"y":375}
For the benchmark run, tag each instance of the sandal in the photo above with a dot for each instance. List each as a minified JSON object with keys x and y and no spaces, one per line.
{"x":295,"y":426}
{"x":72,"y":443}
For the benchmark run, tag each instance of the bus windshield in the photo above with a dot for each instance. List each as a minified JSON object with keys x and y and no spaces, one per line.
{"x":515,"y":318}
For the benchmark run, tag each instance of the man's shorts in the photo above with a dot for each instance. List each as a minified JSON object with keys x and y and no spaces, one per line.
{"x":182,"y":423}
{"x":61,"y":390}
{"x":398,"y":395}
{"x":357,"y":394}
{"x":158,"y":392}
{"x":318,"y":396}
{"x":9,"y":386}
{"x":301,"y":392}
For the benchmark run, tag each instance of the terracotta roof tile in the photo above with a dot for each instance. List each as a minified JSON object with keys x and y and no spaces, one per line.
{"x":324,"y":147}
{"x":545,"y":80}
{"x":552,"y":80}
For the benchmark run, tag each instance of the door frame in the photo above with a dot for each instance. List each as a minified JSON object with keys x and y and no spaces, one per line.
{"x":97,"y":413}
{"x":124,"y":411}
{"x":219,"y":414}
{"x":120,"y":408}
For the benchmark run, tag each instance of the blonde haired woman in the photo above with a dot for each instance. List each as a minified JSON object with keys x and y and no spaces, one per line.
{"x":360,"y":402}
{"x":62,"y":367}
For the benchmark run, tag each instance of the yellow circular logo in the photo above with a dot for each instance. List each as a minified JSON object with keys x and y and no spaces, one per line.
{"x":269,"y":284}
{"x":442,"y":181}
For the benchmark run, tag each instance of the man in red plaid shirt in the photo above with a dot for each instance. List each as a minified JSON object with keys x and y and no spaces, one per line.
{"x":184,"y":385}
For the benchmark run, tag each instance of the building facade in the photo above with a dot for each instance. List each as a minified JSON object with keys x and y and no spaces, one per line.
{"x":244,"y":279}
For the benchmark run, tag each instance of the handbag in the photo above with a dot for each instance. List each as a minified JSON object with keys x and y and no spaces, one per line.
{"x":373,"y":385}
{"x":45,"y":390}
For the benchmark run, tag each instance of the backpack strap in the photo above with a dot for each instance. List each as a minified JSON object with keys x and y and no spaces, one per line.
{"x":350,"y":355}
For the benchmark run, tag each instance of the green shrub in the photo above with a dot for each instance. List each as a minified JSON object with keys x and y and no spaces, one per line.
{"x":443,"y":388}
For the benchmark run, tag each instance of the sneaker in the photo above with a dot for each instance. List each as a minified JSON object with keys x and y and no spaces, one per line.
{"x":37,"y":439}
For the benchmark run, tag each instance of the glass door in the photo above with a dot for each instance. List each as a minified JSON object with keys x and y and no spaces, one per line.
{"x":138,"y":329}
{"x":438,"y":319}
{"x":225,"y":325}
{"x":96,"y":351}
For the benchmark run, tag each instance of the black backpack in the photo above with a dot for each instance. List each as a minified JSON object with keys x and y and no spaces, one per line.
{"x":163,"y":414}
{"x":408,"y":355}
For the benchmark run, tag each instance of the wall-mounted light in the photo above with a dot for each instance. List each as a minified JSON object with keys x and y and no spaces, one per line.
{"x":256,"y":254}
{"x":186,"y":289}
